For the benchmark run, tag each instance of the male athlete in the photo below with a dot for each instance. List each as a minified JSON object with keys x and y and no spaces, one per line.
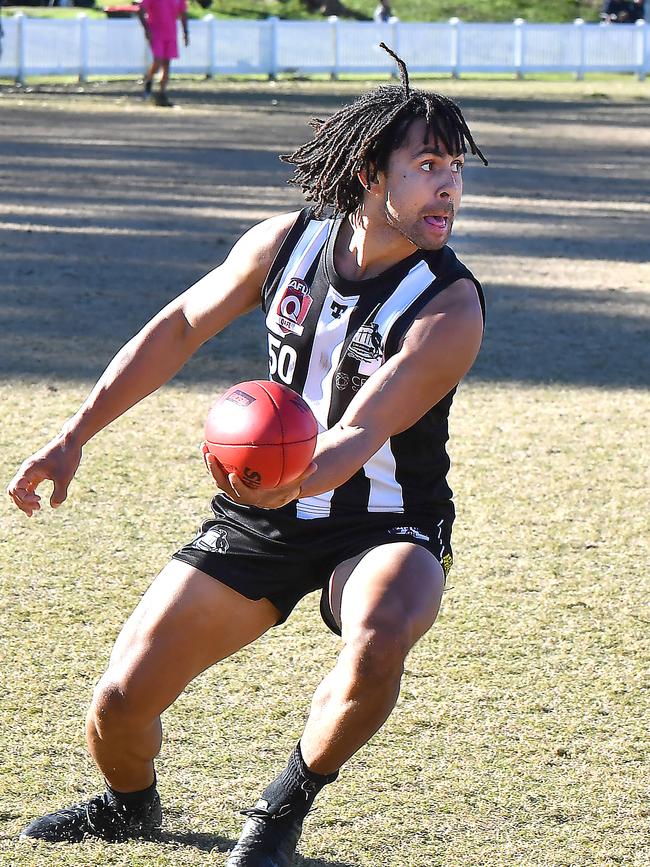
{"x":373,"y":319}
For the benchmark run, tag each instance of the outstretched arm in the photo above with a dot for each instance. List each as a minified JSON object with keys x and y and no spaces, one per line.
{"x":153,"y":356}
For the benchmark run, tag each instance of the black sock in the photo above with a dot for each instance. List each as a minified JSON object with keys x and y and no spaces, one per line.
{"x":296,"y":787}
{"x":132,"y":800}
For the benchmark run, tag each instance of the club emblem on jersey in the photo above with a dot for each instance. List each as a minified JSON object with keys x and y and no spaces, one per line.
{"x":366,"y":343}
{"x":293,"y":306}
{"x":214,"y":539}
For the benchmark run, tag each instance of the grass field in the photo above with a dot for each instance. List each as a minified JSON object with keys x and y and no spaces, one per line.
{"x":521,"y":735}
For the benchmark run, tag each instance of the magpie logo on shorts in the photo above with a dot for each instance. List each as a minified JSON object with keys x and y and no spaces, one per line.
{"x":293,"y":307}
{"x":215,"y":539}
{"x":413,"y":532}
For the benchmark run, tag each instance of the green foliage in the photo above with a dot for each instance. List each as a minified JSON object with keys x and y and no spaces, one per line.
{"x":406,"y":10}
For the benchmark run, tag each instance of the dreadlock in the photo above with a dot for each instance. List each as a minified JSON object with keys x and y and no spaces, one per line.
{"x":362,"y":135}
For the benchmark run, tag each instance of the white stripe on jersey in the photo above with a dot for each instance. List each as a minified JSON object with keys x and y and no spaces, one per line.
{"x":302,"y":257}
{"x":329,"y":339}
{"x":385,"y":492}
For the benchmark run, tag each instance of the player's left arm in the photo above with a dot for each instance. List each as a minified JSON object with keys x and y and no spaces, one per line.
{"x":436,"y":352}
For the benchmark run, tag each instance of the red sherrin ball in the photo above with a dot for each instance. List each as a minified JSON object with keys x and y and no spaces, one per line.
{"x":262,"y":431}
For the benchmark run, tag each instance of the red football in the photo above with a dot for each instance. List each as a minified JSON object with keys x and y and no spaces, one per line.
{"x":262,"y":431}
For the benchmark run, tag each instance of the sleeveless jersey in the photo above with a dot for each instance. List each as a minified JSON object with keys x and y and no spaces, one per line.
{"x":327,"y":335}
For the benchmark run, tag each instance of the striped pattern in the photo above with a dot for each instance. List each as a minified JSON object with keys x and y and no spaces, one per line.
{"x":343,"y":333}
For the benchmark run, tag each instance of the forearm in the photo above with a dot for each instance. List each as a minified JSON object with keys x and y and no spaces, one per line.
{"x":340,"y":452}
{"x":145,"y":363}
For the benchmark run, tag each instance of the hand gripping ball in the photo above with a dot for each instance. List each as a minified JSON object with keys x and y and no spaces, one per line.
{"x":262,"y":431}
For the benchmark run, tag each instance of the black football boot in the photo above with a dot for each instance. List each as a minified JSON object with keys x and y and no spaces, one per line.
{"x":102,"y":816}
{"x":273,"y":827}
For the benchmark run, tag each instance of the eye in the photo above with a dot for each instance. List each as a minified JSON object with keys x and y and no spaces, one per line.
{"x":427,"y":167}
{"x":457,"y":165}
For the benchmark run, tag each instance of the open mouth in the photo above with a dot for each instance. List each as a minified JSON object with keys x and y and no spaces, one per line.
{"x":437,"y":221}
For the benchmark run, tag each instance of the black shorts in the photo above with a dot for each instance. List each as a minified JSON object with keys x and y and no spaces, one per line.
{"x":274,"y":555}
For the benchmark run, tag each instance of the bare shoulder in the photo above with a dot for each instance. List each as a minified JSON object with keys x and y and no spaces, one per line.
{"x":460,"y":298}
{"x":455,"y":313}
{"x":261,"y":243}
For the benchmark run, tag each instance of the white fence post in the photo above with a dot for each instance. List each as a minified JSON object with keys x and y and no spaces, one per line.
{"x":82,"y":18}
{"x":21,"y":23}
{"x":519,"y":47}
{"x":210,"y":24}
{"x":273,"y":66}
{"x":454,"y":23}
{"x":580,"y":71}
{"x":334,"y":33}
{"x":642,"y":49}
{"x":577,"y":55}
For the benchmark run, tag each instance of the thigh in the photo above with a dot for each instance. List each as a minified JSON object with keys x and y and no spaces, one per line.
{"x":185,"y":622}
{"x":397,"y":585}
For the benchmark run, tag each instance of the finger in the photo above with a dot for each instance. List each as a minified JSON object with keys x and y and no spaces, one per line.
{"x":217,"y":472}
{"x":26,"y":501}
{"x":59,"y":494}
{"x":239,"y":488}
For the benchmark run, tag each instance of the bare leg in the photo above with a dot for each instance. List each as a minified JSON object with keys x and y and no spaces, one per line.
{"x":185,"y":623}
{"x":153,"y":69}
{"x":389,"y":601}
{"x":164,"y":78}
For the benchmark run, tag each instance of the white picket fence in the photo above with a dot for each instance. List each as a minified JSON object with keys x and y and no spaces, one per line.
{"x":87,"y":46}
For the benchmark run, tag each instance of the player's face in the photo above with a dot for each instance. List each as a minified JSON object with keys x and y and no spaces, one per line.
{"x":421,"y":189}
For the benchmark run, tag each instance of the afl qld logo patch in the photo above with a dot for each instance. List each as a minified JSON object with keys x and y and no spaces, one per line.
{"x":293,"y":307}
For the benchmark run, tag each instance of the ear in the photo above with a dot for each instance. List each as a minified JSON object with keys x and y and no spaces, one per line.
{"x":362,"y":177}
{"x":366,"y":179}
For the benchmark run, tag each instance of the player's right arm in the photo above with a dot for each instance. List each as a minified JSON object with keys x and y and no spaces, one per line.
{"x":153,"y":356}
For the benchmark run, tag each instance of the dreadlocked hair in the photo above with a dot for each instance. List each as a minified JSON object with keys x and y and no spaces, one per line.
{"x":362,"y":135}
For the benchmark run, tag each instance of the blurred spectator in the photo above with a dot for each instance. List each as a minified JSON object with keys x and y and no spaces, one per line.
{"x":638,"y":10}
{"x":383,"y":13}
{"x":623,"y":11}
{"x":159,"y":19}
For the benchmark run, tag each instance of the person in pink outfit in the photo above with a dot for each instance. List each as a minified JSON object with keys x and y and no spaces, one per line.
{"x":159,"y":19}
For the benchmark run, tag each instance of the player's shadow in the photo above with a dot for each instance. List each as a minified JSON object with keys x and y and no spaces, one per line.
{"x":197,"y":840}
{"x":210,"y":842}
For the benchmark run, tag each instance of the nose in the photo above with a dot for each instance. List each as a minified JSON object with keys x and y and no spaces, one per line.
{"x":448,"y":185}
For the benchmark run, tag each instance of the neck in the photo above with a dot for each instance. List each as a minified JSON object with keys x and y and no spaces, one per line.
{"x":366,"y":247}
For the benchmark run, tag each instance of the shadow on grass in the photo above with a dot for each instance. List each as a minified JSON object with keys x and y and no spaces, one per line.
{"x":208,"y":842}
{"x":198,"y":840}
{"x":108,"y":216}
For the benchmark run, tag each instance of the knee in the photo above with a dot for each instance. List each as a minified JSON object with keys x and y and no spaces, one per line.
{"x":377,"y":649}
{"x":114,"y":709}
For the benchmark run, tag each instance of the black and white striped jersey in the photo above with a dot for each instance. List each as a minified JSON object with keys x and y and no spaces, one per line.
{"x":327,"y":335}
